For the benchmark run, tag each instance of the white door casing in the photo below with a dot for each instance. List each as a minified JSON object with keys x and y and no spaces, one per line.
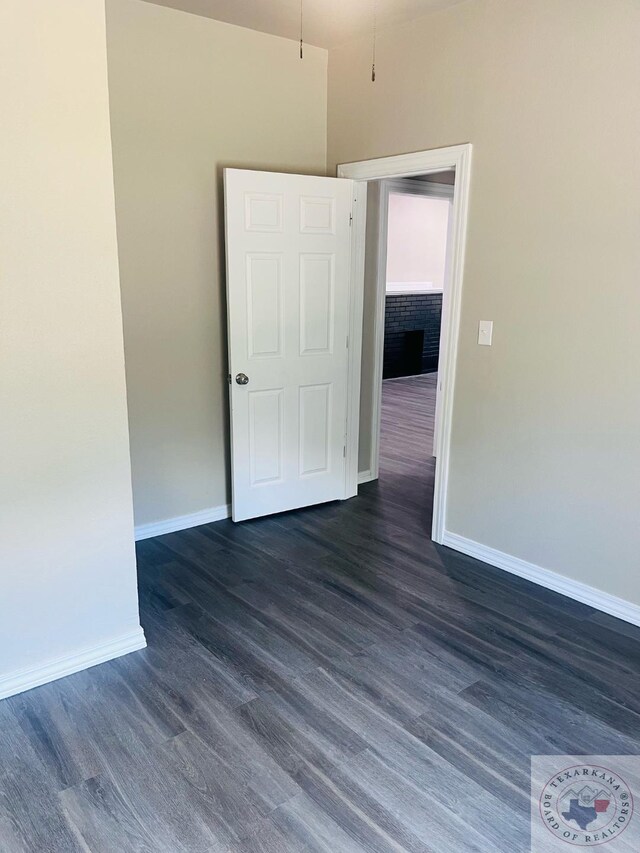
{"x":456,"y":157}
{"x":288,"y":246}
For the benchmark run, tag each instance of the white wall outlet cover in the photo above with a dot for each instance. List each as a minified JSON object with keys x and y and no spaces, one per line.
{"x":485,"y":332}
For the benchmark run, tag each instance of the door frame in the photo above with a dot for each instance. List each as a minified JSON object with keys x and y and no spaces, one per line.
{"x":456,"y":157}
{"x":354,"y":340}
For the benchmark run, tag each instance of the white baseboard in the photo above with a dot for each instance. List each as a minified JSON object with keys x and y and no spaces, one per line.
{"x":365,"y":477}
{"x":26,"y":679}
{"x":182,"y":522}
{"x":589,"y":595}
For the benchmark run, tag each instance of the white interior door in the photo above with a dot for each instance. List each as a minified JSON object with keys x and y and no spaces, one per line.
{"x":288,"y":268}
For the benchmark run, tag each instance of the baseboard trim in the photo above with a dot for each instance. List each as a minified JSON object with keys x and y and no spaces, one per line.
{"x":182,"y":522}
{"x":576,"y":590}
{"x":27,"y":679}
{"x":365,"y":477}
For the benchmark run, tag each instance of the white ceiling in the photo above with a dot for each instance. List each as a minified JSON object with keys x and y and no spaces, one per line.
{"x":326,"y":22}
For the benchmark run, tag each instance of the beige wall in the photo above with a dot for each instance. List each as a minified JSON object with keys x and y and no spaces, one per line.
{"x":67,"y":577}
{"x":368,"y":325}
{"x":545,"y":458}
{"x":189,"y":96}
{"x":417,"y":239}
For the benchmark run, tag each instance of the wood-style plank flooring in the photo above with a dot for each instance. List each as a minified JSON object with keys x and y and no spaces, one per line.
{"x":325,"y":680}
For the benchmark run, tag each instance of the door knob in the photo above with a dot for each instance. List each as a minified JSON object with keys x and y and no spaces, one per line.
{"x":242,"y":379}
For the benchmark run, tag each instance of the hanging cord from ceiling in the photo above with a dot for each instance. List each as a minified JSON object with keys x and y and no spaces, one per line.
{"x":301,"y":2}
{"x":373,"y":51}
{"x":374,"y":34}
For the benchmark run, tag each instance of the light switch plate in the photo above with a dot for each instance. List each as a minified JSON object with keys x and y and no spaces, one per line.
{"x":485,"y":333}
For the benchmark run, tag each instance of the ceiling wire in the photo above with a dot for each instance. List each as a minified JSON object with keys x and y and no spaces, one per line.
{"x":373,"y":52}
{"x":301,"y":2}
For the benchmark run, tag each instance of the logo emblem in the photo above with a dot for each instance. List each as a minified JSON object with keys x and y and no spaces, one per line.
{"x":586,"y":805}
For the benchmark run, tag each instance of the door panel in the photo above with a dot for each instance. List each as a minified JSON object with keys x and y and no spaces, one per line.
{"x":266,"y":436}
{"x":315,"y":435}
{"x":316,"y":304}
{"x":265,"y":320}
{"x":288,"y":267}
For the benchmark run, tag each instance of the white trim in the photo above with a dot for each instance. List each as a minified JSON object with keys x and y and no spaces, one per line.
{"x":27,"y":679}
{"x":405,"y":165}
{"x":365,"y":477}
{"x":456,"y":157}
{"x":354,"y":363}
{"x":182,"y":522}
{"x":410,"y":376}
{"x":408,"y":288}
{"x":546,"y":578}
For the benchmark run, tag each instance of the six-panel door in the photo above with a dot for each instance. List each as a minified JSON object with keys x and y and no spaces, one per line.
{"x":288,"y":265}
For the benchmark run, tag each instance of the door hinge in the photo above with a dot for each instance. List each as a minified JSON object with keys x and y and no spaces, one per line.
{"x":344,"y":452}
{"x":351,"y":219}
{"x":347,"y":341}
{"x":229,"y":378}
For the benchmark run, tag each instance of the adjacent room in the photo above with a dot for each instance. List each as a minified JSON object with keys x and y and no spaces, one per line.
{"x":417,"y":229}
{"x":318,"y":524}
{"x":407,"y":264}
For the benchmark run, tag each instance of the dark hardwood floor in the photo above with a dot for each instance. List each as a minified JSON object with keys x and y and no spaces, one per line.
{"x":325,"y":680}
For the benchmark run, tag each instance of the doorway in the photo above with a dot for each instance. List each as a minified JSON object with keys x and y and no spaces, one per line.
{"x":377,"y":176}
{"x":413,"y":222}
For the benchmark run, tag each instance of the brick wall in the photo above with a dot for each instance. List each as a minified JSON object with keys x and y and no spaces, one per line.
{"x":411,"y":334}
